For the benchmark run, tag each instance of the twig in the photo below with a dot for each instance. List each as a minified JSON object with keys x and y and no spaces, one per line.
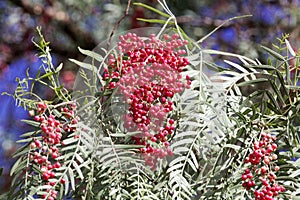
{"x":118,"y":23}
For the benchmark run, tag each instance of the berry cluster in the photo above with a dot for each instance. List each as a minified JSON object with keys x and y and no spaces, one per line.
{"x":45,"y":152}
{"x":262,"y":168}
{"x":147,"y":74}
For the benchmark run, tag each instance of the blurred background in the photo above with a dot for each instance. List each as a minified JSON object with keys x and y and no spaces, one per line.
{"x":68,"y":24}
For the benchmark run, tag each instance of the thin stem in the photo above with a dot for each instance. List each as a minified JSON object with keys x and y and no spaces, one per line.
{"x":218,"y":27}
{"x":118,"y":23}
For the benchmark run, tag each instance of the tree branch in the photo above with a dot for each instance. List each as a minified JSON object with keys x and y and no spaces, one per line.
{"x":78,"y":35}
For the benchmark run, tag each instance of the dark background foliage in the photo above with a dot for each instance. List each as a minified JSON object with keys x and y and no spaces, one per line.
{"x":70,"y":23}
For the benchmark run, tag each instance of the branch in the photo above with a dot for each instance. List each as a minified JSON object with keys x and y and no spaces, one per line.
{"x":80,"y":36}
{"x":118,"y":23}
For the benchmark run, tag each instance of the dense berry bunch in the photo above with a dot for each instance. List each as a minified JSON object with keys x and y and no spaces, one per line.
{"x":261,"y":173}
{"x":45,"y":149}
{"x":148,"y":74}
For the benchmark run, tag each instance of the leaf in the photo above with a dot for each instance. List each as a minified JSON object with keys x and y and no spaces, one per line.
{"x":175,"y":167}
{"x":273,"y":53}
{"x":186,"y":133}
{"x":265,"y":67}
{"x":232,"y":146}
{"x":21,"y":150}
{"x":181,"y":142}
{"x":69,"y":140}
{"x":72,"y":178}
{"x":159,"y":21}
{"x":287,"y":178}
{"x":293,"y":87}
{"x":278,"y":93}
{"x":30,"y":134}
{"x":175,"y":161}
{"x":24,"y":140}
{"x":291,"y":50}
{"x":259,"y":80}
{"x":66,"y":184}
{"x":78,"y":170}
{"x":32,"y":123}
{"x":69,"y":147}
{"x":152,"y":9}
{"x":216,"y":52}
{"x":85,"y":65}
{"x":15,"y":166}
{"x":237,"y":66}
{"x":58,"y":69}
{"x":46,"y":75}
{"x":295,"y":173}
{"x":79,"y":158}
{"x":43,"y":187}
{"x":91,"y":54}
{"x":193,"y":165}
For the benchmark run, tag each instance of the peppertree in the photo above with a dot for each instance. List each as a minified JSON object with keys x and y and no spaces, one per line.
{"x":152,"y":123}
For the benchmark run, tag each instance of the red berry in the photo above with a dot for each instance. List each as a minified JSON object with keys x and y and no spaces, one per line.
{"x":274,"y":146}
{"x":62,"y":181}
{"x":250,"y":176}
{"x":171,"y":121}
{"x":46,"y":176}
{"x":54,"y":155}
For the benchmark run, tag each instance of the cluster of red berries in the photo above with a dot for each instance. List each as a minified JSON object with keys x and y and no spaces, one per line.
{"x":45,"y":151}
{"x":262,"y":160}
{"x":148,"y":74}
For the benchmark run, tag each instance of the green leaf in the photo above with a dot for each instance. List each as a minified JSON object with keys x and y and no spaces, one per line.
{"x":278,"y":93}
{"x":293,"y":87}
{"x":175,"y":167}
{"x":232,"y":146}
{"x":289,"y":47}
{"x":237,"y":66}
{"x":79,"y":158}
{"x":72,"y":178}
{"x":295,"y":173}
{"x":25,"y":140}
{"x":193,"y":165}
{"x":85,"y":65}
{"x":159,"y":21}
{"x":273,"y":53}
{"x":282,"y":82}
{"x":1,"y":171}
{"x":15,"y":166}
{"x":152,"y":9}
{"x":265,"y":67}
{"x":79,"y":172}
{"x":30,"y":134}
{"x":217,"y":52}
{"x":69,"y":140}
{"x":31,"y":122}
{"x":21,"y":151}
{"x":255,"y":81}
{"x":121,"y":146}
{"x":274,"y":102}
{"x":91,"y":54}
{"x":66,"y":184}
{"x":59,"y":68}
{"x":287,"y":178}
{"x":47,"y":75}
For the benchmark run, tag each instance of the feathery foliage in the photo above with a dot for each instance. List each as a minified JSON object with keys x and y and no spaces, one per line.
{"x":218,"y":119}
